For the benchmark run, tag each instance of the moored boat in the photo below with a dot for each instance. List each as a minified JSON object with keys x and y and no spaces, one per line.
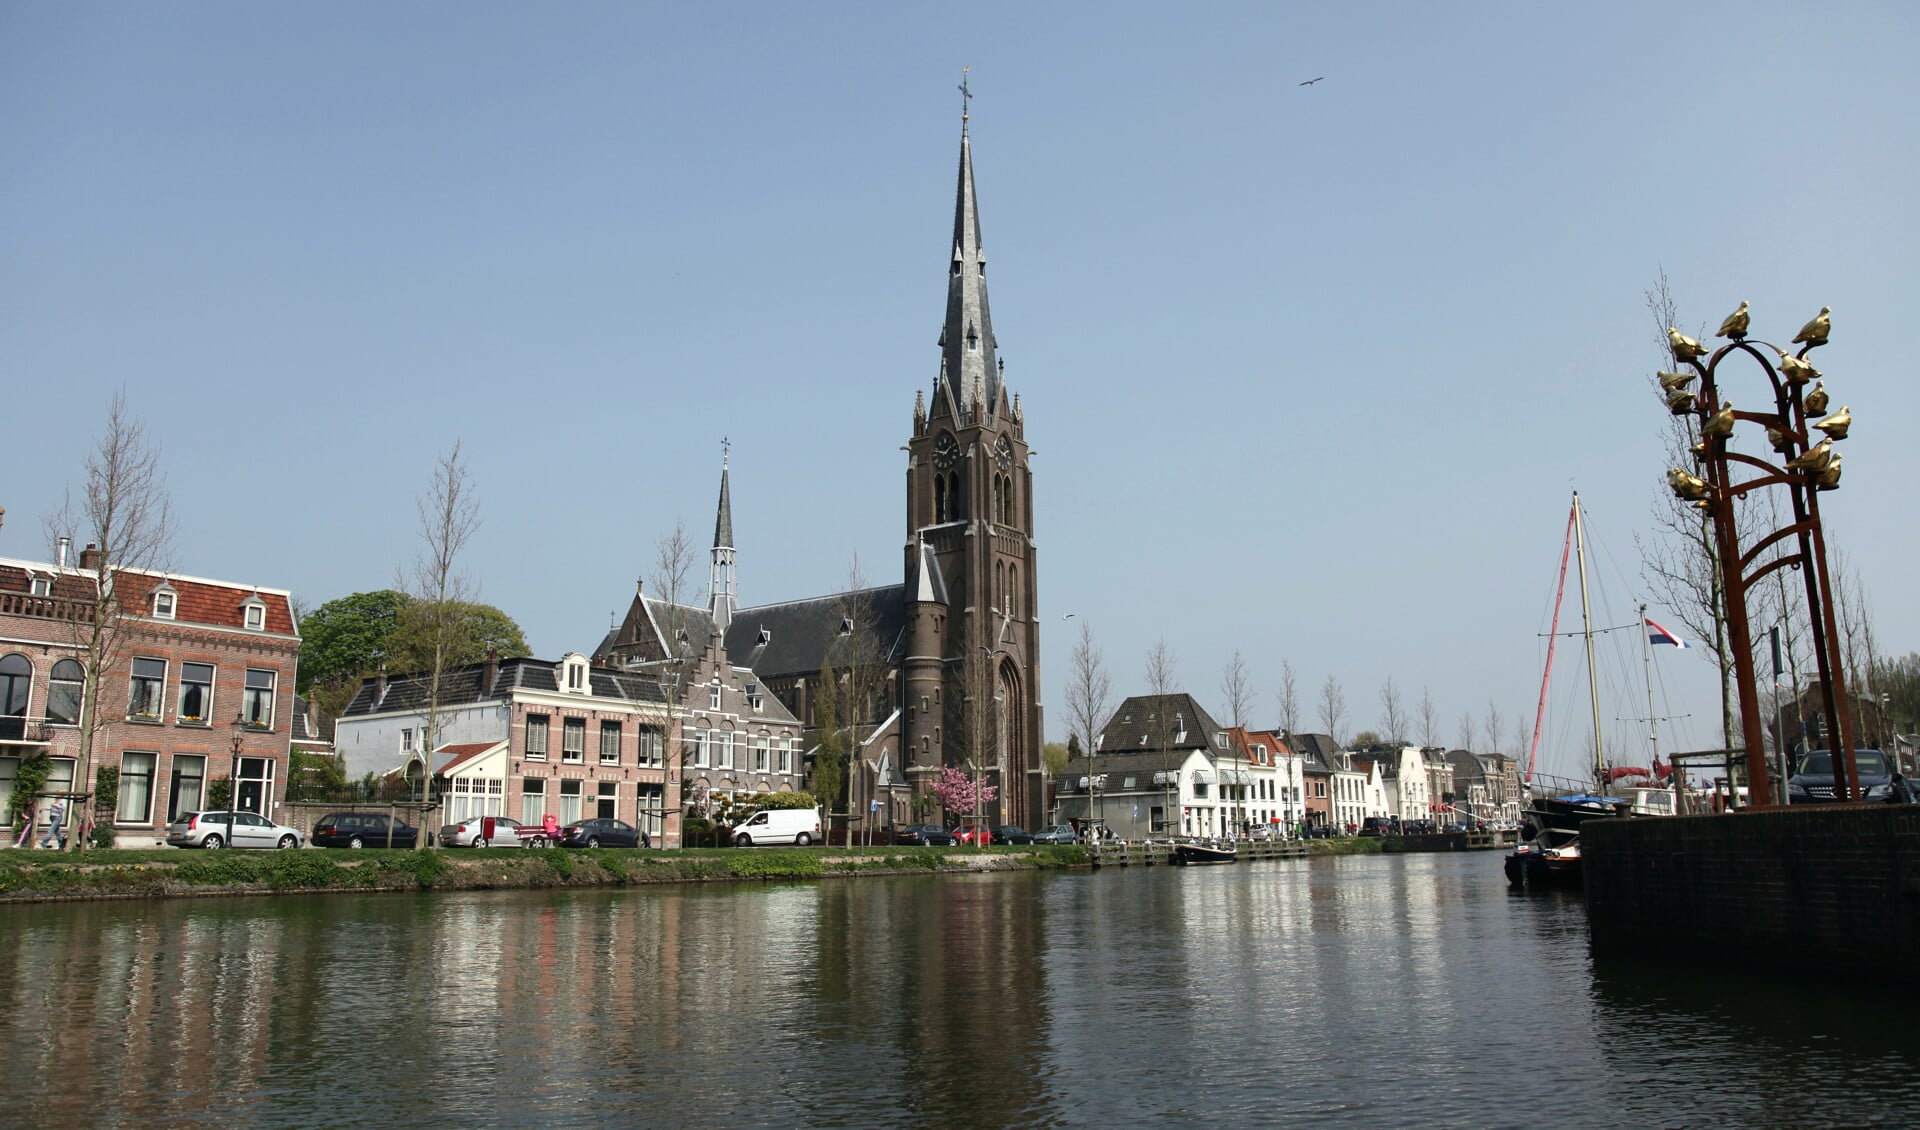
{"x":1203,"y":853}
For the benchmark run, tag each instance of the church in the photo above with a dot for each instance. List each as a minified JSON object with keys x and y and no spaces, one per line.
{"x":944,"y":665}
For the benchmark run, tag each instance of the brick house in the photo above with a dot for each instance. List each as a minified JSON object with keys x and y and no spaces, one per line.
{"x":523,"y":738}
{"x":199,"y":689}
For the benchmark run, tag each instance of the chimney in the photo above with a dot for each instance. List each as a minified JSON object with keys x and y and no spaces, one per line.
{"x":490,"y":672}
{"x":66,"y":546}
{"x":379,"y":688}
{"x":90,"y":557}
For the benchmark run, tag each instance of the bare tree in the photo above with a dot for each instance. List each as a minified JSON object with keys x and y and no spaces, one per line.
{"x":1496,"y":728}
{"x":860,"y":670}
{"x":1464,"y":734}
{"x":1429,"y":717}
{"x":434,"y":623}
{"x":1162,"y":683}
{"x":1089,"y":688}
{"x":125,"y":517}
{"x":670,"y":578}
{"x":1289,"y":698}
{"x":1333,"y":708}
{"x":1236,"y":686}
{"x":1393,"y":715}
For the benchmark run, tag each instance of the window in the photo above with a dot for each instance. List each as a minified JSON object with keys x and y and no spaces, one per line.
{"x":1200,"y":790}
{"x":406,"y":739}
{"x":16,"y":682}
{"x":786,"y":754}
{"x":570,"y":802}
{"x":760,"y":753}
{"x":723,"y":749}
{"x":196,"y":694}
{"x":257,"y":708}
{"x":533,"y":800}
{"x":647,"y":815}
{"x":9,"y":766}
{"x":254,"y":614}
{"x":608,"y":807}
{"x":713,"y":696}
{"x":609,"y":743}
{"x":64,"y":689}
{"x":536,"y":737}
{"x":185,"y":791}
{"x":577,"y":675}
{"x":702,"y":746}
{"x":41,"y":586}
{"x":650,"y":746}
{"x":573,"y":740}
{"x":754,"y":700}
{"x":136,"y":789}
{"x":149,"y":677}
{"x":163,"y":603}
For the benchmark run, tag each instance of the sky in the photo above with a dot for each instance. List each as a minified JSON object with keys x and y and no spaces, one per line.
{"x":1310,"y":371}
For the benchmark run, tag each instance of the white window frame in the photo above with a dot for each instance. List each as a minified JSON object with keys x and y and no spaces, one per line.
{"x":145,"y":816}
{"x":205,"y":717}
{"x":527,"y":789}
{"x":248,"y":693}
{"x":572,"y":753}
{"x":158,"y":698}
{"x":713,"y":696}
{"x":545,"y":727}
{"x":166,"y":603}
{"x":40,"y":586}
{"x":611,"y":726}
{"x":577,"y":795}
{"x":253,"y":615}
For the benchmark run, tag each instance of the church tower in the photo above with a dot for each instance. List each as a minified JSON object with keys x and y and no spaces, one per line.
{"x":720,"y":582}
{"x":971,"y":675}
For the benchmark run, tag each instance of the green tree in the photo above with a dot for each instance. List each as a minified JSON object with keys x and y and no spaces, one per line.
{"x":829,"y":761}
{"x":466,"y":630}
{"x":347,"y":638}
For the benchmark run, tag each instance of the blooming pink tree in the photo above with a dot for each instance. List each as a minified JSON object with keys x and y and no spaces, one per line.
{"x":955,"y":792}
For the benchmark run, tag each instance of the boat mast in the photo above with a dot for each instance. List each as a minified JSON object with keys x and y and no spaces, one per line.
{"x":1553,"y":638}
{"x":1586,"y":629}
{"x":1653,"y":718}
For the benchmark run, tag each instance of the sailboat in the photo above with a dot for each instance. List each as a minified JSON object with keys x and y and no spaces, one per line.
{"x":1549,"y":852}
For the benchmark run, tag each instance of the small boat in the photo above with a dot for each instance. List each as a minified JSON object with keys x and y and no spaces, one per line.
{"x":1203,"y":853}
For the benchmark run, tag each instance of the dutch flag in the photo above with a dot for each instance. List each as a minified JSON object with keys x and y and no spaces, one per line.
{"x":1657,"y":634}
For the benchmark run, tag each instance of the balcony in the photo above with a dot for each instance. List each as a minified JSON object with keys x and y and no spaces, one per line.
{"x":45,"y":607}
{"x":16,"y":731}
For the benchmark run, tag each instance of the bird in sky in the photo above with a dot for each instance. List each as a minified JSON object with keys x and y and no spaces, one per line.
{"x":1311,"y":81}
{"x":1817,"y":399}
{"x":1837,"y":424}
{"x":1735,"y":326}
{"x":1816,"y":331}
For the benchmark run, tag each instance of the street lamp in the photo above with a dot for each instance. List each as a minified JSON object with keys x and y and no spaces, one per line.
{"x":233,"y":771}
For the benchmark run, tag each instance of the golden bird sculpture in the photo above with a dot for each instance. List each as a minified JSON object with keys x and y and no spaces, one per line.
{"x":1679,"y":403}
{"x":1720,"y":423}
{"x":1829,"y":476}
{"x":1684,"y":347}
{"x":1735,"y":327}
{"x":1782,"y":441}
{"x":1703,"y":504}
{"x":1837,"y":424}
{"x":1699,"y":449}
{"x":1816,"y":404}
{"x":1795,"y":370}
{"x":1687,"y":487}
{"x":1815,"y":458}
{"x":1674,"y":382}
{"x":1816,"y":331}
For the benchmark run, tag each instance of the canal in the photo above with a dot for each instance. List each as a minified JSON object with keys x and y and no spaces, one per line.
{"x":1368,"y":991}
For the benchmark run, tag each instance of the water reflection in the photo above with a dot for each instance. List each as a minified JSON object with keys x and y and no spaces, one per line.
{"x":1355,"y":992}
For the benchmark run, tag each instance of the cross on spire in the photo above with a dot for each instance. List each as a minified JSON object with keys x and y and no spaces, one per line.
{"x":966,"y":98}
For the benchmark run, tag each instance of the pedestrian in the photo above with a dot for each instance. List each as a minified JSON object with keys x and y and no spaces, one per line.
{"x":23,"y":838}
{"x":54,"y":812}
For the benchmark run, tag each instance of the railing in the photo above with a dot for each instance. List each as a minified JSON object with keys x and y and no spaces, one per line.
{"x":45,"y":607}
{"x":15,"y":728}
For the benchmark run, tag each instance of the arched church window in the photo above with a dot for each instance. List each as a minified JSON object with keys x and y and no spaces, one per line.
{"x":1013,"y":590}
{"x":940,"y":498}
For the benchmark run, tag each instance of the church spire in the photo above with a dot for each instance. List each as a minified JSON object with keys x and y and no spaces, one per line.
{"x":720,"y":572}
{"x":966,"y":341}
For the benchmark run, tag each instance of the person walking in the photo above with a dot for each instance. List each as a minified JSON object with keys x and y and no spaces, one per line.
{"x":54,"y":812}
{"x":23,"y":838}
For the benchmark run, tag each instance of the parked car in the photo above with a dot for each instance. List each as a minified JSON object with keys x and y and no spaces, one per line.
{"x":973,"y":835}
{"x":796,"y":826}
{"x":1812,"y":781}
{"x":924,"y":835}
{"x":603,"y":832}
{"x":1267,"y":832}
{"x":363,"y":830}
{"x":1012,"y":834}
{"x":1379,"y":826}
{"x":1056,"y":834}
{"x":211,"y":829}
{"x":467,"y":833}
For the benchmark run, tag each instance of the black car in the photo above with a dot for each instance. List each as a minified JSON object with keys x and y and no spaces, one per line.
{"x":1011,"y":834}
{"x":924,"y":835}
{"x":1379,"y":826}
{"x":363,"y":830}
{"x":603,"y":832}
{"x":1812,"y":781}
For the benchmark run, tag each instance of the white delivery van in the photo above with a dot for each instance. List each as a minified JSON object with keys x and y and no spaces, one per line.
{"x":800,"y":826}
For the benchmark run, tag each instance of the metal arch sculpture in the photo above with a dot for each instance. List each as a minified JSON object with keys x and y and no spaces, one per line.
{"x":1806,"y":469}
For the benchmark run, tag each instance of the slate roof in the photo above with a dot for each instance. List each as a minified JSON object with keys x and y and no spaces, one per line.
{"x":1320,"y":751}
{"x":800,"y":634}
{"x":1138,"y":725}
{"x":461,"y":686}
{"x":1466,"y":766}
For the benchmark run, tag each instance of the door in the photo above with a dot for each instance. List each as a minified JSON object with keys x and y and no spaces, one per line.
{"x":251,"y":830}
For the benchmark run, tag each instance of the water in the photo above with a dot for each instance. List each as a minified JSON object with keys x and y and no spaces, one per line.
{"x":1375,"y":991}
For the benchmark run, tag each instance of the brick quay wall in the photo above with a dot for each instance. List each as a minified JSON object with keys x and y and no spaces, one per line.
{"x":1774,"y":887}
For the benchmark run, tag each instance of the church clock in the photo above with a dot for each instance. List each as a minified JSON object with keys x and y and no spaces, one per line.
{"x":946,"y":452}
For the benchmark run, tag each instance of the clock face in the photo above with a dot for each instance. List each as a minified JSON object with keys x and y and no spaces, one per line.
{"x":1003,"y":454}
{"x":945,"y":453}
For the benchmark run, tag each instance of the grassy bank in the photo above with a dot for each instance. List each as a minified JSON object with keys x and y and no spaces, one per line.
{"x":34,"y":876}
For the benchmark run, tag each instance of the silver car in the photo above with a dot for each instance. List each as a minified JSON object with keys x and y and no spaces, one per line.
{"x":248,"y":830}
{"x":506,"y":833}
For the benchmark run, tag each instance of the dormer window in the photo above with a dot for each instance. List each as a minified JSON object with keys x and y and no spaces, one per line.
{"x":766,"y":636}
{"x":164,"y":600}
{"x":253,"y":614}
{"x":574,"y":674}
{"x":41,"y":586}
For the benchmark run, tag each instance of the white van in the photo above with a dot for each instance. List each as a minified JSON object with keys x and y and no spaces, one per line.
{"x":798,"y":826}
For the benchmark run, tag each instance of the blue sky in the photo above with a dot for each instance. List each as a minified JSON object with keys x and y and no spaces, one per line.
{"x":1310,"y":370}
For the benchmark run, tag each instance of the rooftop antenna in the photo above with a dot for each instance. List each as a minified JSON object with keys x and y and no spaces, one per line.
{"x":966,"y":98}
